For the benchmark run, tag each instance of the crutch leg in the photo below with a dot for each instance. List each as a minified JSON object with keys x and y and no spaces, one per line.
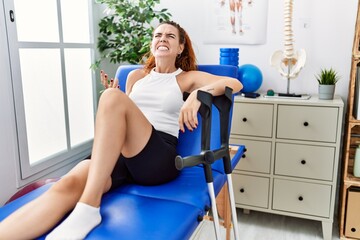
{"x":232,"y":205}
{"x":224,"y":104}
{"x":214,"y":210}
{"x":205,"y":113}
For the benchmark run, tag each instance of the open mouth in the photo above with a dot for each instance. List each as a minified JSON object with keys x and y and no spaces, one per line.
{"x":163,"y":48}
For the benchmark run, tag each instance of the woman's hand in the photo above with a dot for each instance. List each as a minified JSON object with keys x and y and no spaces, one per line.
{"x":188,"y":113}
{"x":105,"y":81}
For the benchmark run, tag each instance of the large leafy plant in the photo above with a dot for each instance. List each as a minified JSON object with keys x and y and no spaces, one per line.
{"x":126,"y":30}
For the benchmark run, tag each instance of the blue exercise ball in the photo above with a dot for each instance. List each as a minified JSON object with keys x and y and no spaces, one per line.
{"x":251,"y":78}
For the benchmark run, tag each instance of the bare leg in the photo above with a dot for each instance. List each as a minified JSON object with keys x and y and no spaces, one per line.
{"x":41,"y":214}
{"x":120,"y":128}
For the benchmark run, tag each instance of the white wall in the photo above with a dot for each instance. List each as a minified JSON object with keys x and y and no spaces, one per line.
{"x":328,"y":40}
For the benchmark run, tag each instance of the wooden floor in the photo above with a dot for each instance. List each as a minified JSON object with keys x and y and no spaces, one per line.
{"x":265,"y":226}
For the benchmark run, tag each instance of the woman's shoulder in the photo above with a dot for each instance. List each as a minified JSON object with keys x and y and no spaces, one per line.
{"x":133,"y":77}
{"x":137,"y":74}
{"x":188,"y":73}
{"x":192,"y":74}
{"x":187,"y":79}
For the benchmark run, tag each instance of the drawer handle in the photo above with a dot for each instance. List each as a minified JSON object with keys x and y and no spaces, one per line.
{"x":242,"y":190}
{"x":244,"y":119}
{"x":243,"y":156}
{"x":303,"y":162}
{"x":301,"y":198}
{"x":306,"y":124}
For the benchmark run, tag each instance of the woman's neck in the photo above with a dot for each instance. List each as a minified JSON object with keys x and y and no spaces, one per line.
{"x":164,"y":67}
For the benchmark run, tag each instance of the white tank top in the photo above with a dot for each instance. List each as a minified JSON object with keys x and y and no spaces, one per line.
{"x":159,"y":97}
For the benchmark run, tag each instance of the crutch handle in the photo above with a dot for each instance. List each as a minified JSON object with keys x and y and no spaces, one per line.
{"x":205,"y":157}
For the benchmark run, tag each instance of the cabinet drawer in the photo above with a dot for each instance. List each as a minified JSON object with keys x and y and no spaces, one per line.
{"x":257,"y":155}
{"x":305,"y":161}
{"x":252,"y":191}
{"x":252,"y":119}
{"x":307,"y":123}
{"x":300,"y":197}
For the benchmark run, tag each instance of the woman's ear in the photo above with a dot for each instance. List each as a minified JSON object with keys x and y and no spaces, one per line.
{"x":181,"y":48}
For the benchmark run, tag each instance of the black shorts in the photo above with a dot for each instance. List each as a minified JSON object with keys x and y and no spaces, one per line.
{"x":153,"y":165}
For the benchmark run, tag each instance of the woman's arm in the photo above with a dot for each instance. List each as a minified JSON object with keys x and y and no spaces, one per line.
{"x":206,"y":82}
{"x":213,"y":84}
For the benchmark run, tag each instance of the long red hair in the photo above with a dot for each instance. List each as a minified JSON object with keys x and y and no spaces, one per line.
{"x":186,"y":61}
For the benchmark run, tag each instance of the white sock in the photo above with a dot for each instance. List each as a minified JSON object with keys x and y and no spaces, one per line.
{"x":78,"y":224}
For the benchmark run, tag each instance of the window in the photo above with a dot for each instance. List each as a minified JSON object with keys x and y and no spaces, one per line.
{"x":51,"y":50}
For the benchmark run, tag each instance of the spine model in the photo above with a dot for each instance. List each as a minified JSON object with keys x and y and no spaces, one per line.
{"x":287,"y":62}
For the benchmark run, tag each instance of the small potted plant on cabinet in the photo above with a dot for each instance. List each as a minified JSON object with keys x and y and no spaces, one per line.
{"x":327,"y":80}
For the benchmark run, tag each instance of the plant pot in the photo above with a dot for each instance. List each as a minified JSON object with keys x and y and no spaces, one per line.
{"x":326,"y":92}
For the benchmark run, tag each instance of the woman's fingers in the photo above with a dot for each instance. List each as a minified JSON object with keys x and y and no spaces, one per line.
{"x":102,"y":77}
{"x":188,"y":113}
{"x":113,"y":83}
{"x":188,"y":118}
{"x":195,"y":119}
{"x":116,"y":83}
{"x":105,"y":80}
{"x":187,"y":121}
{"x":182,"y":120}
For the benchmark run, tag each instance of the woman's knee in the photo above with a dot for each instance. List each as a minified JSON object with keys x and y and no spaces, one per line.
{"x":74,"y":181}
{"x":111,"y":99}
{"x":112,"y":94}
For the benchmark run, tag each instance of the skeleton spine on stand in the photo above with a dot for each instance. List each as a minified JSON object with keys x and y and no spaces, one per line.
{"x":287,"y":62}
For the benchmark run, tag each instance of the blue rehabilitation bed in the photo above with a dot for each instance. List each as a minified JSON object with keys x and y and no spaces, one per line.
{"x":170,"y":211}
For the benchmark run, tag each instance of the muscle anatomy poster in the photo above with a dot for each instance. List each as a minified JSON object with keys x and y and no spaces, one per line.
{"x":236,"y":21}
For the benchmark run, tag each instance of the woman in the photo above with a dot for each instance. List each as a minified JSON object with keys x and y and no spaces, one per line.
{"x":146,"y":123}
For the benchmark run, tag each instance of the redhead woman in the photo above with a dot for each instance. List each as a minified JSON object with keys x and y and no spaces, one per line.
{"x":127,"y":135}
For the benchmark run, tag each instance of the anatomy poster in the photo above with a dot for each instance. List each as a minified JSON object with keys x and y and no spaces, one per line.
{"x":236,"y":21}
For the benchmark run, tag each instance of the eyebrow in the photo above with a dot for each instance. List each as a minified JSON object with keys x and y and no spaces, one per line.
{"x":167,"y":34}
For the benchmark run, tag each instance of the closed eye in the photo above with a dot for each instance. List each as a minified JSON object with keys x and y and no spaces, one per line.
{"x":169,"y":35}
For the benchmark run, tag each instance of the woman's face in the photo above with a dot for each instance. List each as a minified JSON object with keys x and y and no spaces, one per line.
{"x":165,"y":42}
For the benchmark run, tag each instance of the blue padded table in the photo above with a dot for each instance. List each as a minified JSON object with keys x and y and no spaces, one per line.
{"x":168,"y":211}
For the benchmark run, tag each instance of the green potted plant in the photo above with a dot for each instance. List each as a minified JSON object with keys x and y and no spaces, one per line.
{"x":126,"y":30}
{"x":327,"y":79}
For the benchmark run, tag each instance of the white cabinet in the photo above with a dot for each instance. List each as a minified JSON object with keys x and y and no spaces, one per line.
{"x":292,"y":158}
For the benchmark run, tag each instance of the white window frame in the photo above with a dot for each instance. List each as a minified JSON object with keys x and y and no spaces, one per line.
{"x":72,"y":154}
